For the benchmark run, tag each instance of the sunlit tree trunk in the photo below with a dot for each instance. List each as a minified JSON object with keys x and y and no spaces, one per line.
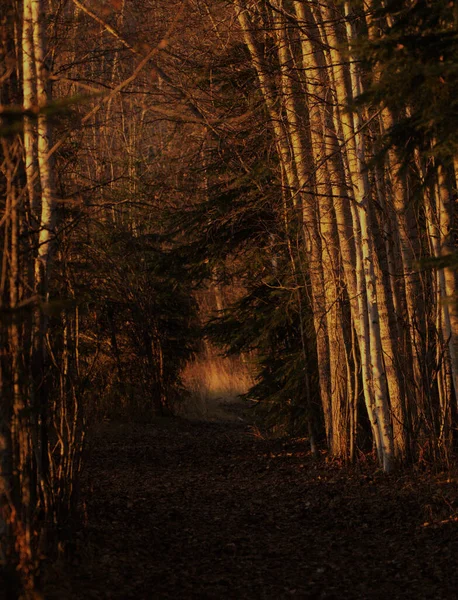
{"x":48,"y":209}
{"x":327,"y":21}
{"x":317,"y":176}
{"x":28,"y":87}
{"x":363,"y":197}
{"x":407,"y":235}
{"x":442,"y":320}
{"x":346,"y":78}
{"x":46,"y":236}
{"x":390,"y":345}
{"x":445,"y":213}
{"x":311,"y":231}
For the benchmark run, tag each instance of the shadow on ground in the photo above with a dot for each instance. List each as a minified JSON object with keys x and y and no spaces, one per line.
{"x":190,"y":509}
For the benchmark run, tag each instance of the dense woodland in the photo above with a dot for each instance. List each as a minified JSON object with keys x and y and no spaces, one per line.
{"x":275,"y":178}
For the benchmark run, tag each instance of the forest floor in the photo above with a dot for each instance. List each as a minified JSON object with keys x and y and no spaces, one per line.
{"x":178,"y":509}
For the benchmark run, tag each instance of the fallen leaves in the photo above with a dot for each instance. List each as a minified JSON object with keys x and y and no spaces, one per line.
{"x":207,"y":510}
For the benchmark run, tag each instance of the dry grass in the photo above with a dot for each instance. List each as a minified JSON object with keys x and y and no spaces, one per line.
{"x":213,"y":381}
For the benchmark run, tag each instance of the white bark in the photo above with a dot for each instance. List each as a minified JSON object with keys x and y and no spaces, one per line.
{"x":443,"y":324}
{"x":318,"y":173}
{"x":362,"y":195}
{"x":286,"y":148}
{"x":355,"y":184}
{"x":48,"y":209}
{"x":449,"y":302}
{"x":28,"y":87}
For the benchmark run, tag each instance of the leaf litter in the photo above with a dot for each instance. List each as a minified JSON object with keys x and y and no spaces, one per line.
{"x":178,"y":509}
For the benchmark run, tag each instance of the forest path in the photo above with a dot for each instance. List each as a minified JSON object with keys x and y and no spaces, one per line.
{"x":180,"y":509}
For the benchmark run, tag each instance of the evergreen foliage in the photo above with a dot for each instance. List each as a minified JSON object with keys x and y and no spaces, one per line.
{"x":137,"y":297}
{"x":267,"y":323}
{"x":415,"y":58}
{"x":234,"y":233}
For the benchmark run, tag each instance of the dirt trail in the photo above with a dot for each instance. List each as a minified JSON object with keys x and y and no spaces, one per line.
{"x":181,"y":510}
